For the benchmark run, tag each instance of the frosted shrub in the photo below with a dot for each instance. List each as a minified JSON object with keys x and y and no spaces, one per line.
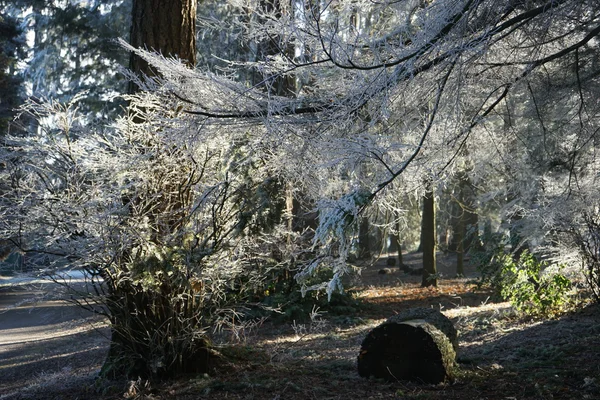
{"x":165,"y":222}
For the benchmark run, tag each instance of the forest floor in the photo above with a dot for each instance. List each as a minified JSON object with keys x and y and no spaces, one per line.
{"x":501,"y":355}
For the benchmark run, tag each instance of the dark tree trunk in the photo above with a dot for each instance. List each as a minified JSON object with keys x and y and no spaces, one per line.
{"x":400,"y":259}
{"x":280,"y":85}
{"x":156,"y":330}
{"x":10,"y":82}
{"x":460,"y":249}
{"x":166,"y":26}
{"x":364,"y":242}
{"x":419,"y":344}
{"x":464,"y":218}
{"x":396,"y":238}
{"x":428,"y":237}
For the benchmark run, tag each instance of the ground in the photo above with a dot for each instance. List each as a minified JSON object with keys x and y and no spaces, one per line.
{"x":49,"y":350}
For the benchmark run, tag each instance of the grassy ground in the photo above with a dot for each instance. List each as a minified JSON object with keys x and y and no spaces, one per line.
{"x":502,"y":356}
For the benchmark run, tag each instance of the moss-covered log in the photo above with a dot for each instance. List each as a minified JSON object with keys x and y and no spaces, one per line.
{"x":409,"y":349}
{"x":432,"y":316}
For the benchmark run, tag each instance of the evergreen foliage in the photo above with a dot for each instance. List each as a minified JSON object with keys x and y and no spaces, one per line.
{"x":69,"y":47}
{"x":11,"y":49}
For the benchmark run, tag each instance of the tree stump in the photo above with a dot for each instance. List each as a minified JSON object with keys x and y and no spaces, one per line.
{"x":413,"y":345}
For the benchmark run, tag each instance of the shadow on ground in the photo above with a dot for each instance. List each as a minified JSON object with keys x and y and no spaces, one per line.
{"x":46,"y":345}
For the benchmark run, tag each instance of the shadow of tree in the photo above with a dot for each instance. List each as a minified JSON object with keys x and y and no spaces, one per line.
{"x":550,"y":359}
{"x":509,"y":359}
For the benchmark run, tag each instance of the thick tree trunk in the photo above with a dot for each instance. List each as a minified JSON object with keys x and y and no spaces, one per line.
{"x":166,"y":26}
{"x":419,"y":344}
{"x":428,"y":238}
{"x":156,"y":326}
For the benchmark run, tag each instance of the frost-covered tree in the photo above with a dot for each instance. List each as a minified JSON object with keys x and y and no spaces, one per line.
{"x":403,"y":94}
{"x":170,"y":225}
{"x":185,"y":217}
{"x":71,"y":48}
{"x":178,"y":203}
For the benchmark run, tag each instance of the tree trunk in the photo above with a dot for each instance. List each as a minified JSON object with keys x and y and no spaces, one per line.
{"x":277,"y":84}
{"x":156,"y":326}
{"x":364,"y":242}
{"x":428,"y":237}
{"x":419,"y":344}
{"x":396,"y":238}
{"x":464,"y":218}
{"x":165,"y":26}
{"x":460,"y":249}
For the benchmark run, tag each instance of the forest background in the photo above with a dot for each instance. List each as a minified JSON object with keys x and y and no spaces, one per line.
{"x":310,"y":139}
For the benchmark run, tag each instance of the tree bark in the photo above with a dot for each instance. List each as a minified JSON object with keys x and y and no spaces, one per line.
{"x":154,"y":332}
{"x":460,"y":249}
{"x":364,"y":242}
{"x":434,"y":317}
{"x":428,"y":237}
{"x":165,"y":26}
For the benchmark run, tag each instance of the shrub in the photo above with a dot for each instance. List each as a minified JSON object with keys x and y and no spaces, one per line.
{"x":490,"y":260}
{"x":530,"y":290}
{"x":522,"y":281}
{"x":294,"y":306}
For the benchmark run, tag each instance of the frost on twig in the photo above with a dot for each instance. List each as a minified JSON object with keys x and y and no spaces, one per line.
{"x":334,"y":238}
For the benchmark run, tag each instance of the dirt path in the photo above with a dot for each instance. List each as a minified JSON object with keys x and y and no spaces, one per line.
{"x":44,"y":342}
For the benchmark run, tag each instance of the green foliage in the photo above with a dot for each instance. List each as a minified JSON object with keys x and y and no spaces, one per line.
{"x":298,"y":308}
{"x":529,"y":290}
{"x":523,"y":283}
{"x":159,"y":317}
{"x":489,"y":260}
{"x":261,"y":205}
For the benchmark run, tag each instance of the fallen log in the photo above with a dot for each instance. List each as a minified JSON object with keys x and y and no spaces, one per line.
{"x":431,"y":315}
{"x":410,"y":349}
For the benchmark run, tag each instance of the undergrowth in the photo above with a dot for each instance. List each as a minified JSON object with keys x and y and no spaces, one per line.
{"x":533,"y":287}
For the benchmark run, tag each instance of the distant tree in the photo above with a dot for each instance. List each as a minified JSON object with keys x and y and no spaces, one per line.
{"x":12,"y":45}
{"x":364,"y":239}
{"x":428,"y":237}
{"x":72,"y":48}
{"x":463,"y":218}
